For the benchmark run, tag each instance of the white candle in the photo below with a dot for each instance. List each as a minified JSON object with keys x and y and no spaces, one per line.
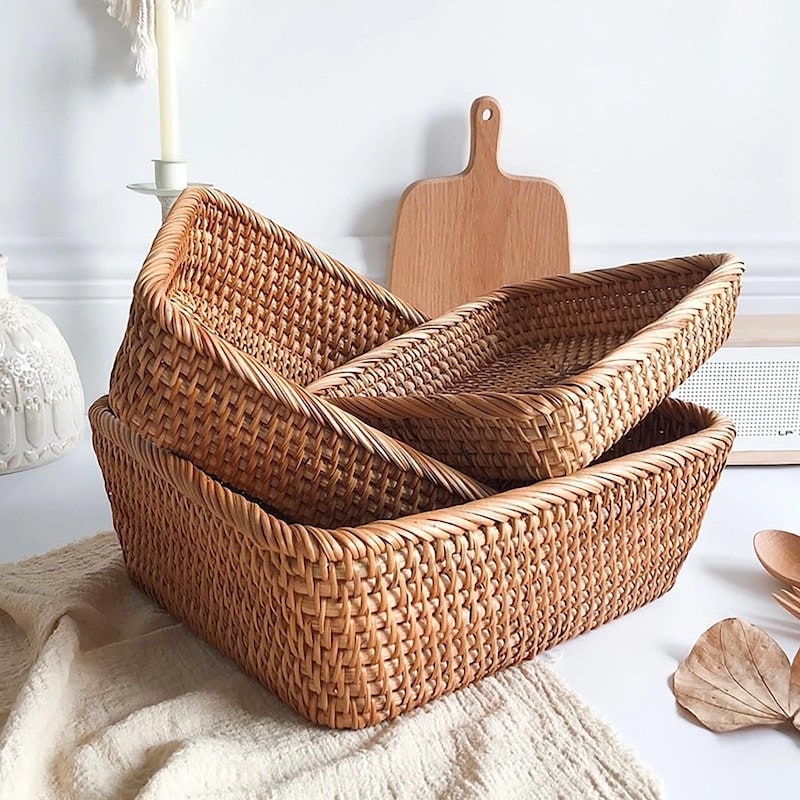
{"x":167,"y":84}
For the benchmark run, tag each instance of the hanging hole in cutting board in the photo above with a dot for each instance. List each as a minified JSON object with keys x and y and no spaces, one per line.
{"x":487,"y":114}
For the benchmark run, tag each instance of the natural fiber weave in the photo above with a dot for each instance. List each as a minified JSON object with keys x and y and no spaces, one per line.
{"x":538,"y":380}
{"x":356,"y":625}
{"x":231,"y":315}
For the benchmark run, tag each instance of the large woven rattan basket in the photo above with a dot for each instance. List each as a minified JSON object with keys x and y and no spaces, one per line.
{"x":538,"y":380}
{"x":353,"y":626}
{"x":231,"y":315}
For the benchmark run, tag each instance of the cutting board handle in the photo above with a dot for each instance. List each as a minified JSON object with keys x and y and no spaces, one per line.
{"x":485,"y":140}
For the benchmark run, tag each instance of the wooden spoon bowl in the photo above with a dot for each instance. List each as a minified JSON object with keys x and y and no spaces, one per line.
{"x":779,"y":554}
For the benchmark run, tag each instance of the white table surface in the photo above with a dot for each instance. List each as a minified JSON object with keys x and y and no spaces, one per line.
{"x":622,"y":669}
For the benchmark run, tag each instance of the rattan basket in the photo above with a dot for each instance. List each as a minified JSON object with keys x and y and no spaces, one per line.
{"x":231,"y":314}
{"x":357,"y":625}
{"x":538,"y":380}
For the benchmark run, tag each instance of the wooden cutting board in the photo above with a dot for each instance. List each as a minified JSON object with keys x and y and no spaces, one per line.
{"x":459,"y":237}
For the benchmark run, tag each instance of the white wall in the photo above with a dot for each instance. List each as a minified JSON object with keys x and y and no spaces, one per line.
{"x":672,"y":127}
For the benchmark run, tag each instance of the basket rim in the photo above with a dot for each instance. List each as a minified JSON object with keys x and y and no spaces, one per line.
{"x":727,"y":269}
{"x":150,"y":291}
{"x":268,"y":531}
{"x":185,"y":209}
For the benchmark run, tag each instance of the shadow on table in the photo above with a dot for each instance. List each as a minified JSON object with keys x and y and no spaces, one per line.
{"x":751,"y":579}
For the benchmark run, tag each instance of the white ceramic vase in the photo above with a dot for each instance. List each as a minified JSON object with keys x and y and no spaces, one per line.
{"x":41,"y":399}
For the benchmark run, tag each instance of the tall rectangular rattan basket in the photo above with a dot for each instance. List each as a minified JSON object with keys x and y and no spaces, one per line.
{"x":231,"y":316}
{"x":355,"y":625}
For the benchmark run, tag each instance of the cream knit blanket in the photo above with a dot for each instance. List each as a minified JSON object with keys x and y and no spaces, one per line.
{"x":104,"y":695}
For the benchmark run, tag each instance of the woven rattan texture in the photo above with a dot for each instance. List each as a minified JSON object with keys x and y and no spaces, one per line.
{"x":357,"y":625}
{"x":274,"y":296}
{"x":231,"y":315}
{"x":538,"y":380}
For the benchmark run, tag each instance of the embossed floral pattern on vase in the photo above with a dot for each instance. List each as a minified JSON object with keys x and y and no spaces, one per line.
{"x":41,"y":399}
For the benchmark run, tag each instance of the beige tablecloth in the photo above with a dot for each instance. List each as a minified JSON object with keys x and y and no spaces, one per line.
{"x":104,"y":695}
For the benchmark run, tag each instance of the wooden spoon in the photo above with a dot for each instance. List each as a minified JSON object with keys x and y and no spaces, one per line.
{"x":779,"y":554}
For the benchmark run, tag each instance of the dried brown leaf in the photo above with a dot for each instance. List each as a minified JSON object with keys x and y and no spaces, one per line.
{"x":735,"y":676}
{"x":794,"y":691}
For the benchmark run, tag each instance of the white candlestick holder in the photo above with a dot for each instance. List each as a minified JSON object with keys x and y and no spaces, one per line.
{"x":170,"y":181}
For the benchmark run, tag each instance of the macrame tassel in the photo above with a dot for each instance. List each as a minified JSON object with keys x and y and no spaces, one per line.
{"x":144,"y":30}
{"x":144,"y":39}
{"x":184,"y":8}
{"x":121,"y":10}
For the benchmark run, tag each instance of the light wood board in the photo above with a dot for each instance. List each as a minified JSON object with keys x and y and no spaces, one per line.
{"x":765,"y":330}
{"x":752,"y":458}
{"x":459,"y":237}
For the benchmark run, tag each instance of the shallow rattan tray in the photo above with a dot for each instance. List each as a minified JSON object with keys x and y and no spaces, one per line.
{"x":356,"y":625}
{"x":231,"y":315}
{"x":537,"y":380}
